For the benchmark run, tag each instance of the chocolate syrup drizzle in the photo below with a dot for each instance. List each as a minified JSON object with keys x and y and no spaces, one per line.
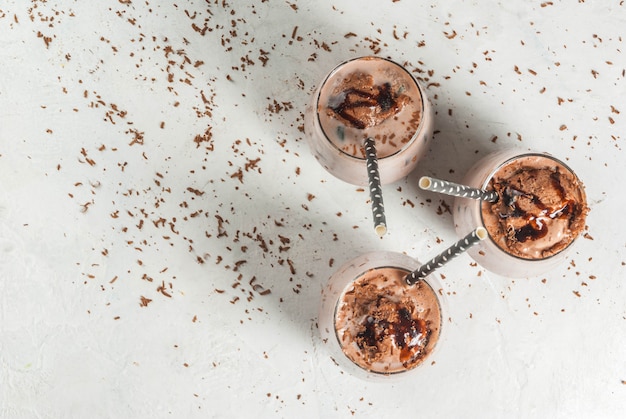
{"x":407,"y":332}
{"x":535,"y":227}
{"x":384,"y":99}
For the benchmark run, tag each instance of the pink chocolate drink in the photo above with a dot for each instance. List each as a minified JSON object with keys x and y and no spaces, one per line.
{"x":369,"y":97}
{"x":540,"y":212}
{"x":374,"y":324}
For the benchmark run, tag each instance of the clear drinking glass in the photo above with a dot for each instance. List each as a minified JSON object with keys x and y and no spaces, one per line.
{"x":541,"y":211}
{"x":369,"y":97}
{"x":374,"y":324}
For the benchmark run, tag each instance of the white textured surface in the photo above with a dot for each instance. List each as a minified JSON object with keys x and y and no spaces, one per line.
{"x":79,"y":80}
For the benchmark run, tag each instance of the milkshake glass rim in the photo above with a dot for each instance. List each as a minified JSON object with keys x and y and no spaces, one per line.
{"x":370,"y":57}
{"x":523,"y":154}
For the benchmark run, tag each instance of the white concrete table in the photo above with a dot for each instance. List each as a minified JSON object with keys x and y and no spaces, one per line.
{"x":165,"y":232}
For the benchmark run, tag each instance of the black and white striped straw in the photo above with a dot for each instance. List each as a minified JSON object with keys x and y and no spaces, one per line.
{"x":438,"y":261}
{"x":376,"y":193}
{"x":454,"y":189}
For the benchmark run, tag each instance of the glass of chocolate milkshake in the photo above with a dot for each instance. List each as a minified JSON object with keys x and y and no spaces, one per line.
{"x":369,"y":97}
{"x":373,"y":323}
{"x":540,"y":212}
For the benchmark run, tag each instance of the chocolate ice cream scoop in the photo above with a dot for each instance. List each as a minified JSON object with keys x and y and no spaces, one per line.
{"x":362,"y":104}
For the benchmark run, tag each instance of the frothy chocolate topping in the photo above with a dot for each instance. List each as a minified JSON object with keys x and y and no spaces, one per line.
{"x":393,"y":321}
{"x":541,"y":209}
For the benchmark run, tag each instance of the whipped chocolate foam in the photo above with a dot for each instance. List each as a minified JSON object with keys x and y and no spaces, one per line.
{"x":541,"y":210}
{"x":386,"y":326}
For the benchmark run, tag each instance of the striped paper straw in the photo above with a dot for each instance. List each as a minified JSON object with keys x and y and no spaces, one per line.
{"x":454,"y":189}
{"x":376,"y":194}
{"x":438,"y":261}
